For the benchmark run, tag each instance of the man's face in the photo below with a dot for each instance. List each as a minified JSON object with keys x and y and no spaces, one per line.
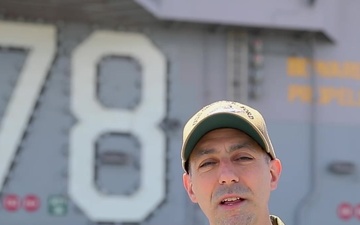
{"x":231,"y":178}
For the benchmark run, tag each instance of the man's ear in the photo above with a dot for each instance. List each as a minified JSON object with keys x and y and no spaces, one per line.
{"x":275,"y":170}
{"x":188,"y":187}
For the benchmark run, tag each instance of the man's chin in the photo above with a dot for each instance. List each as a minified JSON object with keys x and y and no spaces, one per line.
{"x":234,"y":219}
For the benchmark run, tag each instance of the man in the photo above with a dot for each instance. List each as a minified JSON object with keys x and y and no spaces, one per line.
{"x":230,"y":164}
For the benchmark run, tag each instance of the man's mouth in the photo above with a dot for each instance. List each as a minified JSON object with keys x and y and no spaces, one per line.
{"x":231,"y":201}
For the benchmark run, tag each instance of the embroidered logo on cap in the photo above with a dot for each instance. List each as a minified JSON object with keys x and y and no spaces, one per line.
{"x":228,"y":109}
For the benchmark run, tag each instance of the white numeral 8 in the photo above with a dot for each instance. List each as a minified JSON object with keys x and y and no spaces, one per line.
{"x":95,"y":120}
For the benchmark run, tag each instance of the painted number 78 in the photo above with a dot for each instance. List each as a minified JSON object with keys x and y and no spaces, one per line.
{"x":93,"y":118}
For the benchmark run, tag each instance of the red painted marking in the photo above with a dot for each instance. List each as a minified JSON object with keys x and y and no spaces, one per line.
{"x":11,"y":203}
{"x":345,"y":211}
{"x":31,"y":203}
{"x":357,"y":211}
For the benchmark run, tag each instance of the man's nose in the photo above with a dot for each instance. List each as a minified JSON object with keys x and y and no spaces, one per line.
{"x":227,"y":174}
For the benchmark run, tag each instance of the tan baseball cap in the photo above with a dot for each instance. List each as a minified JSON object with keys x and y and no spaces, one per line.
{"x":225,"y":114}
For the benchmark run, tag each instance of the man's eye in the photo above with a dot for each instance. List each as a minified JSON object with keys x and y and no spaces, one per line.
{"x":244,"y":158}
{"x":205,"y":164}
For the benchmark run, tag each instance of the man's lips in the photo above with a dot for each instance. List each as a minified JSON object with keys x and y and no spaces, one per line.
{"x":231,"y":200}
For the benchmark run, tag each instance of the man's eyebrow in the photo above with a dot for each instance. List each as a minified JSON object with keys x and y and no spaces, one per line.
{"x":240,"y":146}
{"x":204,"y":151}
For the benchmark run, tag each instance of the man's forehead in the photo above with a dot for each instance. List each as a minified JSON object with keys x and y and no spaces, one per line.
{"x":203,"y":150}
{"x":245,"y":145}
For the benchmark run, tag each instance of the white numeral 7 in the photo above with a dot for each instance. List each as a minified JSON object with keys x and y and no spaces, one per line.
{"x":40,"y":40}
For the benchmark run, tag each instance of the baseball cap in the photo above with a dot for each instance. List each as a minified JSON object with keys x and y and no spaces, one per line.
{"x":225,"y":114}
